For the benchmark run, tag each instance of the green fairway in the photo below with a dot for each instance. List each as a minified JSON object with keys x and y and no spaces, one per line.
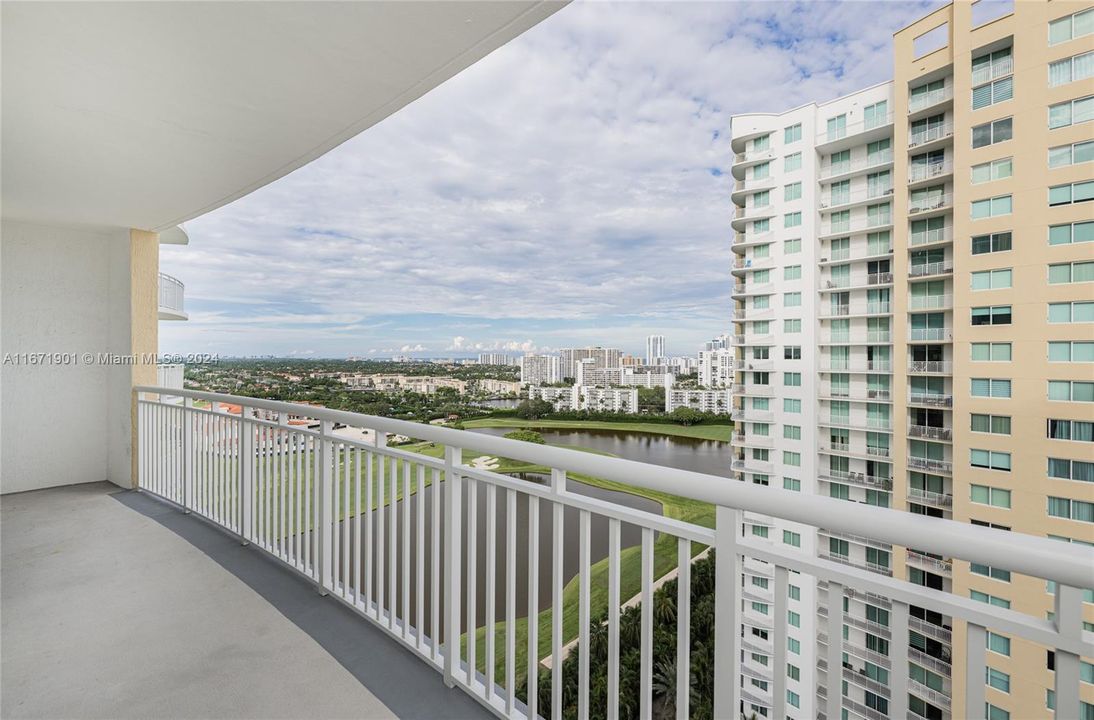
{"x":701,"y":432}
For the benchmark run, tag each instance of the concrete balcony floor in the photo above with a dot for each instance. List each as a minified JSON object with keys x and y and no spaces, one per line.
{"x":118,"y":606}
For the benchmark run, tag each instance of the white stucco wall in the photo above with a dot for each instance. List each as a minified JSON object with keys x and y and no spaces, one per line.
{"x":63,"y":290}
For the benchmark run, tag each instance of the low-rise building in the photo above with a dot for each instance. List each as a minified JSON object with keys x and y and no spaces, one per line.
{"x":712,"y":401}
{"x":584,"y":397}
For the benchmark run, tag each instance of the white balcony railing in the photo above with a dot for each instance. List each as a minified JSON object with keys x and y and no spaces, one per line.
{"x":928,"y":367}
{"x":170,"y":376}
{"x":944,"y":267}
{"x":327,"y":506}
{"x":930,"y":134}
{"x":930,"y":202}
{"x":855,"y":128}
{"x":918,"y":172}
{"x":871,"y":161}
{"x":172,"y":295}
{"x":927,"y":99}
{"x":930,"y":334}
{"x":935,"y":235}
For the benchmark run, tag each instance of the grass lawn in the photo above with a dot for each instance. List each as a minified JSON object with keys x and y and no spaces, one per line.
{"x":702,"y":432}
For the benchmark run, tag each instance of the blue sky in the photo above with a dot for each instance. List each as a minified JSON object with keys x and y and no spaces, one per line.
{"x":571,"y":188}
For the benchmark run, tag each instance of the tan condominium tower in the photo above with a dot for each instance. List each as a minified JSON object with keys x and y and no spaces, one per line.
{"x":914,"y":290}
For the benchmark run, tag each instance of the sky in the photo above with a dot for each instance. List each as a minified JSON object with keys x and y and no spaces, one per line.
{"x":571,"y":188}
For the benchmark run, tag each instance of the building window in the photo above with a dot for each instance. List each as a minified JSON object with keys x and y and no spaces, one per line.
{"x":991,"y":351}
{"x":1071,"y":112}
{"x":992,"y":93}
{"x":792,"y":352}
{"x":1071,"y":391}
{"x":993,"y":424}
{"x":790,"y":483}
{"x":989,"y":599}
{"x":1077,"y":430}
{"x":793,"y":219}
{"x":792,"y":432}
{"x":792,"y":405}
{"x":792,"y":459}
{"x":792,"y":326}
{"x":793,"y":191}
{"x":792,"y":272}
{"x":792,"y":379}
{"x":992,"y":279}
{"x":1074,"y":154}
{"x":1071,"y":351}
{"x":994,"y":207}
{"x":991,"y":460}
{"x":1073,"y":272}
{"x":998,"y":644}
{"x":934,"y":39}
{"x":985,"y":495}
{"x":792,"y":538}
{"x":993,"y":132}
{"x":1071,"y":312}
{"x":792,"y":299}
{"x":762,"y":143}
{"x":1071,"y":233}
{"x":984,"y":11}
{"x":792,"y":134}
{"x":1071,"y":27}
{"x":994,"y":170}
{"x":1071,"y":509}
{"x":792,"y":162}
{"x":990,"y":387}
{"x":1065,"y":469}
{"x":1072,"y":69}
{"x":995,"y":242}
{"x":792,"y":246}
{"x":991,"y":572}
{"x":991,"y":315}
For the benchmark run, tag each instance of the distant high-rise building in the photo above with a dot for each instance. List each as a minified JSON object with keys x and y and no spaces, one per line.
{"x":604,"y":357}
{"x":722,"y":342}
{"x":655,"y":349}
{"x":716,"y":368}
{"x":539,"y":370}
{"x":495,"y":358}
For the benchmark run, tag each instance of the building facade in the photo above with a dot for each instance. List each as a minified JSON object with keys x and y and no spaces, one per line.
{"x":601,"y":357}
{"x":711,"y":401}
{"x":910,"y":300}
{"x":495,"y":358}
{"x":583,"y":397}
{"x":716,"y":367}
{"x":655,"y":349}
{"x":539,"y":370}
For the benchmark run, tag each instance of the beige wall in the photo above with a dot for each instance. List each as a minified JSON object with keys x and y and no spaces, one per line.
{"x":1029,"y":296}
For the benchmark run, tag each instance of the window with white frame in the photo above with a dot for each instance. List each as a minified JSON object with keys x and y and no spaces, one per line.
{"x":1074,"y":154}
{"x":1069,"y":233}
{"x":994,"y":170}
{"x":992,"y":279}
{"x":1071,"y":351}
{"x":1071,"y":112}
{"x":1072,"y":272}
{"x":990,"y":387}
{"x":1072,"y":69}
{"x":1070,"y":391}
{"x":1070,"y":27}
{"x":992,"y":207}
{"x":1071,"y":312}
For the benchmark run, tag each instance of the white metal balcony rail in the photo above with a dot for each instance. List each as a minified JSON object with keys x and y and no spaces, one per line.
{"x":931,"y":399}
{"x":930,"y":334}
{"x":930,"y":134}
{"x":930,"y":302}
{"x":921,"y":367}
{"x":327,"y":506}
{"x":170,"y":376}
{"x":930,"y":432}
{"x":935,"y":235}
{"x":834,"y":200}
{"x":993,"y":70}
{"x":855,"y":128}
{"x":754,"y":155}
{"x":862,"y":224}
{"x":922,"y":463}
{"x":918,"y":172}
{"x":869,"y":162}
{"x":830,"y":365}
{"x":931,"y":498}
{"x":846,"y":309}
{"x":944,"y":267}
{"x":754,"y":184}
{"x":858,"y":478}
{"x":927,"y":99}
{"x":172,"y":294}
{"x":931,"y":202}
{"x":840,"y":283}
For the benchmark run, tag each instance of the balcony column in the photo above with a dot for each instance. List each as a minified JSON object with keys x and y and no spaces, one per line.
{"x":144,"y":264}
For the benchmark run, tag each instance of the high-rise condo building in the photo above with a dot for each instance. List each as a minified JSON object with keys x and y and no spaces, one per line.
{"x":602,"y":357}
{"x":495,"y":358}
{"x":539,"y":369}
{"x":913,"y":313}
{"x":716,"y":368}
{"x":655,"y":349}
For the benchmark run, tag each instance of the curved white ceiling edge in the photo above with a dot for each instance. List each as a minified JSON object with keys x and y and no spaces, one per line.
{"x":146,"y":115}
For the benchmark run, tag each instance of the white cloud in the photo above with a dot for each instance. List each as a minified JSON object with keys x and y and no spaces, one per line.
{"x":564,"y":186}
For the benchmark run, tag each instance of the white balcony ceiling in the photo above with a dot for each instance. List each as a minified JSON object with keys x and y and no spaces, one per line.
{"x":149,"y":114}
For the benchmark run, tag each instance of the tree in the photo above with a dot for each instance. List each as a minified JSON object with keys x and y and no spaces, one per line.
{"x":526,"y":436}
{"x":534,"y":409}
{"x":686,"y":416}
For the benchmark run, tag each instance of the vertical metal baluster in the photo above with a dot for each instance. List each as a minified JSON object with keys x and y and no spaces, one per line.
{"x":419,"y":561}
{"x":381,"y":535}
{"x":1068,"y":619}
{"x":435,"y":567}
{"x":898,"y":653}
{"x":834,"y":703}
{"x":646,"y":652}
{"x":533,"y":606}
{"x":779,"y":640}
{"x":452,"y":570}
{"x":472,"y":578}
{"x":406,"y":551}
{"x":558,"y":487}
{"x":510,"y":601}
{"x":683,"y":628}
{"x":393,"y":544}
{"x":345,"y":474}
{"x":490,"y":571}
{"x":727,"y":614}
{"x":613,"y":618}
{"x":370,"y":538}
{"x":326,"y":495}
{"x":360,"y":546}
{"x":583,"y":615}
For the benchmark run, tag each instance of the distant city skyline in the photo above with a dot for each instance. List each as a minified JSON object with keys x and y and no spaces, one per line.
{"x":588,"y":203}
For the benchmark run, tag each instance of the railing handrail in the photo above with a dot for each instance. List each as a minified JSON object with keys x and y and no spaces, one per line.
{"x":1066,"y":563}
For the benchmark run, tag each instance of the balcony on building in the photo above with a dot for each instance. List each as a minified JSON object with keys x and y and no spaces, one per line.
{"x":172,"y":298}
{"x":923,"y":104}
{"x":860,"y":132}
{"x":172,"y":552}
{"x":932,"y":137}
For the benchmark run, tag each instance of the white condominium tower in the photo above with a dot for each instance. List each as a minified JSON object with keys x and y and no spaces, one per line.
{"x":655,"y":349}
{"x":603,"y":358}
{"x":913,"y":307}
{"x":539,"y":369}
